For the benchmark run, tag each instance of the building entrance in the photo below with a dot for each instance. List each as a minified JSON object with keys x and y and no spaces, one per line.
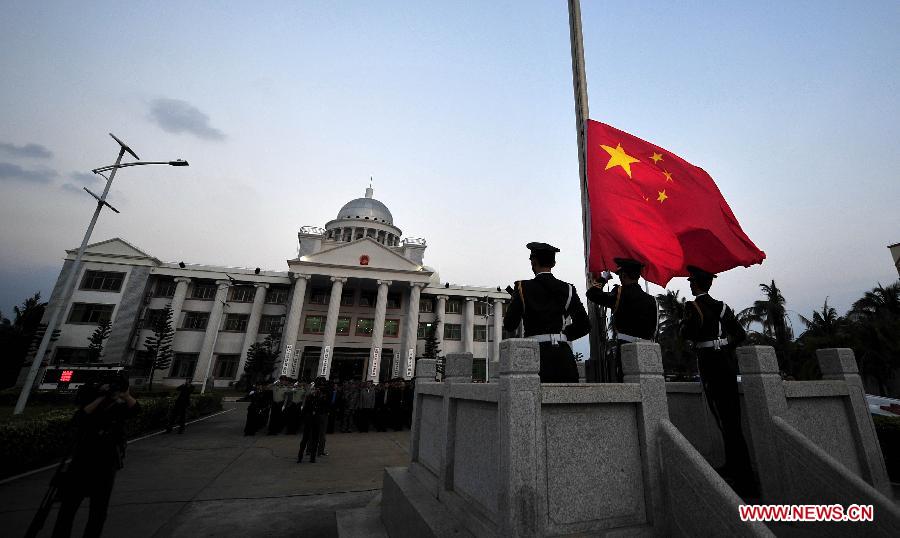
{"x":347,"y":363}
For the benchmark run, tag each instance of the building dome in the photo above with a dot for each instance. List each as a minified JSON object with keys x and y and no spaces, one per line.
{"x":366,"y":208}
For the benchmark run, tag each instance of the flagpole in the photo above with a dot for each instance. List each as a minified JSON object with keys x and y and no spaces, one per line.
{"x":579,"y":82}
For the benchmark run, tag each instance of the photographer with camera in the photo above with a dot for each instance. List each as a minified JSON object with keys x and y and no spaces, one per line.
{"x":98,"y":454}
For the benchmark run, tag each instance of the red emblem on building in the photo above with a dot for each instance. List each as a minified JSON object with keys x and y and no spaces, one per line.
{"x":364,"y":259}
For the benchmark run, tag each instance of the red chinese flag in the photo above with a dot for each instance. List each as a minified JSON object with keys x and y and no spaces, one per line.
{"x":653,"y":206}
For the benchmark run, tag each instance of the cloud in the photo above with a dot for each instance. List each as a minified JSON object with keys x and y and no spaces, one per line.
{"x":14,"y":172}
{"x":80,"y":179}
{"x":177,"y":116}
{"x":36,"y":151}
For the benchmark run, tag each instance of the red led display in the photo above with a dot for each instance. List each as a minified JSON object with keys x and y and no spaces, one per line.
{"x":66,"y":376}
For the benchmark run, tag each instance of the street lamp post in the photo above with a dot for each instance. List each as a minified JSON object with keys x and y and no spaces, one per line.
{"x":76,"y":266}
{"x":488,"y":311}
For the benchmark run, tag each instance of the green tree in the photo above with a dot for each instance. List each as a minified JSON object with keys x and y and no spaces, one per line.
{"x":676,"y":358}
{"x":261,"y":358}
{"x":16,"y":336}
{"x":771,"y":314}
{"x":101,"y":333}
{"x":432,"y":350}
{"x":875,"y":333}
{"x":159,"y":344}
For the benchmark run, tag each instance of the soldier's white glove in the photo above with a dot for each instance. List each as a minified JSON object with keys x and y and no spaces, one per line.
{"x":606,"y":275}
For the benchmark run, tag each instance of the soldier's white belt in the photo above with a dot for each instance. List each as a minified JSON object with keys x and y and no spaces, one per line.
{"x":712,"y":343}
{"x":631,"y":339}
{"x":554,"y":338}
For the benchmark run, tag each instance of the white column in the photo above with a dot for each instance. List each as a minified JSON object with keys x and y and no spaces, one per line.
{"x":378,"y":331}
{"x":440,"y":308}
{"x":252,"y":324}
{"x":334,"y":309}
{"x":469,"y":326}
{"x":408,"y":355}
{"x":204,"y":360}
{"x":292,"y":323}
{"x":181,"y":287}
{"x":498,"y":329}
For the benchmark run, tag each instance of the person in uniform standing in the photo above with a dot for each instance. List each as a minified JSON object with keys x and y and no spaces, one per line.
{"x":552,"y":314}
{"x":634,"y":311}
{"x":715,"y":331}
{"x":179,"y":408}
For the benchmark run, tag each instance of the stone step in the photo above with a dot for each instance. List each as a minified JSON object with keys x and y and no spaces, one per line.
{"x":360,"y":523}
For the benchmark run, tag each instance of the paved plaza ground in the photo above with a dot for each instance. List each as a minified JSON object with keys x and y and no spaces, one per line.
{"x":213,"y":481}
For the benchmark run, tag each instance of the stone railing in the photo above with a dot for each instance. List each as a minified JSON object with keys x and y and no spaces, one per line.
{"x":515,"y":457}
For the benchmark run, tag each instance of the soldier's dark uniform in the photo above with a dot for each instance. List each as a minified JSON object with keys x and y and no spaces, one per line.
{"x":634,"y":311}
{"x":714,"y":330}
{"x":543,"y":304}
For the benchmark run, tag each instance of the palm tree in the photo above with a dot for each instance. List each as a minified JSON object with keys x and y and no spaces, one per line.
{"x":771,"y":314}
{"x":875,"y":332}
{"x":826,"y":323}
{"x":671,"y":311}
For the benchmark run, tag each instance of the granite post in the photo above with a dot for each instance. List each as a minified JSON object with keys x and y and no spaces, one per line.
{"x":457,"y":369}
{"x":840,"y":364}
{"x":642,"y":364}
{"x":764,"y":398}
{"x":426,"y":370}
{"x":520,"y":435}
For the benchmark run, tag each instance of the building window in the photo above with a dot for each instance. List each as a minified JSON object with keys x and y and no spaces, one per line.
{"x":242,"y":294}
{"x":393,"y":300}
{"x":314,"y":325}
{"x":165,"y":288}
{"x":343,"y":326}
{"x":276,"y":295}
{"x":367,"y":298}
{"x":184,"y":364}
{"x":90,"y":313}
{"x":71,"y":355}
{"x":481,"y":308}
{"x":236,"y":322}
{"x":424,"y":328}
{"x":318,"y":296}
{"x":348,"y":235}
{"x":452,"y":331}
{"x":204,"y":292}
{"x":151,"y":316}
{"x":195,"y":320}
{"x":226,"y":366}
{"x":102,"y":281}
{"x":480,"y":333}
{"x":365,"y":326}
{"x":453,"y":307}
{"x":347,"y":297}
{"x":269,"y":324}
{"x":426,"y":304}
{"x":391,"y":328}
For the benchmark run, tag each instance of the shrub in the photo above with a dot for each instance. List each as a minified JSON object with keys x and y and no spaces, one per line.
{"x":888,"y":430}
{"x":31,"y":442}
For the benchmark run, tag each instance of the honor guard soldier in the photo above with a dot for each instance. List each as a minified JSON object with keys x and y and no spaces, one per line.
{"x":715,"y":331}
{"x":634,"y":311}
{"x":552,"y":314}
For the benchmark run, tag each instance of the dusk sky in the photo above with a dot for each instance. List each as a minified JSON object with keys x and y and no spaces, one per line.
{"x":463,"y":113}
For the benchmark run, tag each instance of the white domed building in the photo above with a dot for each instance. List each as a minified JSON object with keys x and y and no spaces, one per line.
{"x":355,"y":303}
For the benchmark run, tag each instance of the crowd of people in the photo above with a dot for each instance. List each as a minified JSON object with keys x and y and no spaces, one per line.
{"x":324,"y":407}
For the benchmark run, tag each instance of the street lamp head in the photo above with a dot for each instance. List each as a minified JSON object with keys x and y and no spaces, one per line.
{"x":178,"y":162}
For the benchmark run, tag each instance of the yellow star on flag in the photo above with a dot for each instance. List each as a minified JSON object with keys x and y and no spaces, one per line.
{"x":656,"y":158}
{"x":662,"y":196}
{"x":618,"y":157}
{"x":668,"y":176}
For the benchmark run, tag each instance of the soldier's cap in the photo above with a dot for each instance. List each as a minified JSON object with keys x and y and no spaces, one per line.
{"x":541,"y":247}
{"x":700,"y":275}
{"x":628,"y":264}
